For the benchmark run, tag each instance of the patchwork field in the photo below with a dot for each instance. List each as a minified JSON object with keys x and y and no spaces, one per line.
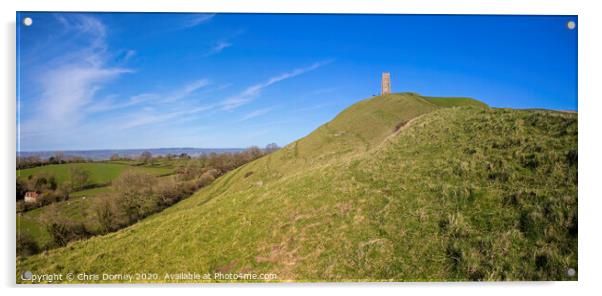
{"x":77,"y":207}
{"x":100,"y":172}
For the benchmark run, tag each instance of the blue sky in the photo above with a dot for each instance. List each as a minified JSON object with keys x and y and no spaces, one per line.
{"x":122,"y":80}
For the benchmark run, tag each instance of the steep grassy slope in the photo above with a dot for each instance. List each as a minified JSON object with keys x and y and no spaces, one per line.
{"x":461,"y":193}
{"x":355,"y":130}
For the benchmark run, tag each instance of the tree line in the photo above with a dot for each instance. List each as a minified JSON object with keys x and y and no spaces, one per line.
{"x":57,"y":158}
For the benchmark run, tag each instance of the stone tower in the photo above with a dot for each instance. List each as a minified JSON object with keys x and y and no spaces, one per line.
{"x":386,"y":83}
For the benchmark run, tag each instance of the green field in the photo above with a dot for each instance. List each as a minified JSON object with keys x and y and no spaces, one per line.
{"x":100,"y":172}
{"x":395,"y":188}
{"x":77,"y":207}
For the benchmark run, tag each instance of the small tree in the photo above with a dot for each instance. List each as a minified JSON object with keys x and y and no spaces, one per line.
{"x":56,"y":225}
{"x":272,"y":147}
{"x":190,"y":170}
{"x":62,"y":193}
{"x":254,"y":152}
{"x":206,"y":179}
{"x":52,"y":185}
{"x":168,"y":192}
{"x":64,"y":189}
{"x":61,"y":229}
{"x":21,"y":189}
{"x":134,"y":193}
{"x":26,"y":245}
{"x":105,"y":211}
{"x":79,"y":178}
{"x":39,"y":183}
{"x":115,"y":157}
{"x":146,"y":157}
{"x":58,"y":157}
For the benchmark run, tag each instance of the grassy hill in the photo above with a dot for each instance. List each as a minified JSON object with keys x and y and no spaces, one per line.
{"x":395,"y":188}
{"x":456,"y":102}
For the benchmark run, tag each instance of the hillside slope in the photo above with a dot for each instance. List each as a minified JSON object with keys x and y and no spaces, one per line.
{"x":394,"y":188}
{"x":455,"y":102}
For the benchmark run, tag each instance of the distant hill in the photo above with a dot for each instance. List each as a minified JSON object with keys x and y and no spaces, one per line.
{"x":105,"y":154}
{"x":395,"y":188}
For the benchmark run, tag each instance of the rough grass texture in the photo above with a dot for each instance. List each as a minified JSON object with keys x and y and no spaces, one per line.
{"x":395,"y":188}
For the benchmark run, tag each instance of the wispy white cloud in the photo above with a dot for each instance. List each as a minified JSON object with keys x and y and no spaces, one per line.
{"x":71,"y":80}
{"x":68,"y":89}
{"x":187,"y":90}
{"x":151,"y":116}
{"x":128,"y":55}
{"x":111,"y":102}
{"x":251,"y":92}
{"x":217,"y":48}
{"x":222,"y":44}
{"x":194,"y":86}
{"x":256,"y":113}
{"x":148,"y":99}
{"x":87,"y":30}
{"x":197,"y":19}
{"x":76,"y":103}
{"x":153,"y":108}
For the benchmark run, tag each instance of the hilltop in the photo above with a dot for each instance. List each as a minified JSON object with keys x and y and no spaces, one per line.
{"x":398,"y":187}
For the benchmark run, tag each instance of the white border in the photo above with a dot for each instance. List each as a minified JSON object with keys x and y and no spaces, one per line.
{"x":590,"y":98}
{"x":316,"y":6}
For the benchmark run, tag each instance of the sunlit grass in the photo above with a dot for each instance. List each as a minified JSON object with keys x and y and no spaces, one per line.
{"x":395,"y":188}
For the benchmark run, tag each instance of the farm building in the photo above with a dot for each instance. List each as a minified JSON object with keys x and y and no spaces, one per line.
{"x":31,"y":196}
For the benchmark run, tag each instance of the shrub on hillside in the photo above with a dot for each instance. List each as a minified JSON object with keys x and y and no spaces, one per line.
{"x":22,"y":188}
{"x":146,"y":157}
{"x":23,"y":206}
{"x":61,"y":229}
{"x":40,"y":182}
{"x":134,"y":194}
{"x":26,"y":245}
{"x":190,"y":169}
{"x":206,"y":178}
{"x":105,"y":211}
{"x":168,"y":192}
{"x":79,"y":178}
